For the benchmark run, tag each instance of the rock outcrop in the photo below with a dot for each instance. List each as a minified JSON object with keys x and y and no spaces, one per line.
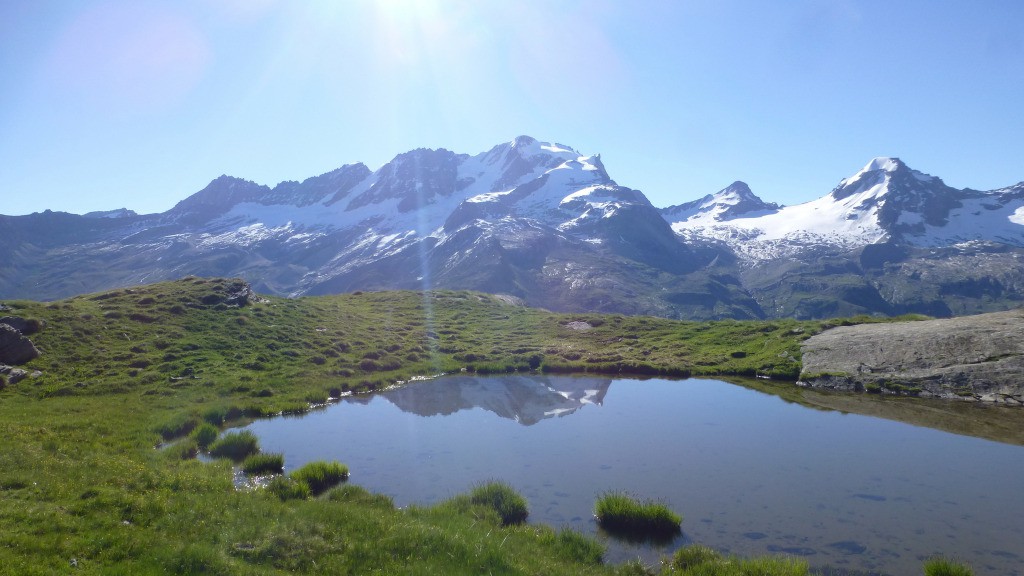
{"x":14,"y":375}
{"x":25,"y":326}
{"x":15,"y":348}
{"x":978,"y":358}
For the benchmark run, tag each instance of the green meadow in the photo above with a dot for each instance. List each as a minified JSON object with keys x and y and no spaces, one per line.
{"x":98,"y":473}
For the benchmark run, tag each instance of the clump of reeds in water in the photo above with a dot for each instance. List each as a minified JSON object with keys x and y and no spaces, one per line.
{"x":263,"y":464}
{"x":622,"y":515}
{"x":235,"y":445}
{"x":946,"y":567}
{"x":503,"y":499}
{"x":205,"y":434}
{"x":320,"y":476}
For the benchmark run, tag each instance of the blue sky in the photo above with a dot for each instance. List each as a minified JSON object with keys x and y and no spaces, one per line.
{"x":138,"y":104}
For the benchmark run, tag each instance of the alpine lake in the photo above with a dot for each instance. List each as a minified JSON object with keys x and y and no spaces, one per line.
{"x":854,"y":484}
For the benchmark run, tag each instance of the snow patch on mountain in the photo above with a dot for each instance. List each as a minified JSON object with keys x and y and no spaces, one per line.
{"x":979,"y":219}
{"x":244,"y":236}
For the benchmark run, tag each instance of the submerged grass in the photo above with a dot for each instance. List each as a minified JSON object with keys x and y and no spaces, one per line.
{"x":622,"y":515}
{"x":126,"y":370}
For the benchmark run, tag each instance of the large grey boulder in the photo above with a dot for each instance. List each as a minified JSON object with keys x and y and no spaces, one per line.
{"x":971,"y":358}
{"x":15,"y":348}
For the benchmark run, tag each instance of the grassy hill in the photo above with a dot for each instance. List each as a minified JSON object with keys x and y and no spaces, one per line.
{"x":85,"y":485}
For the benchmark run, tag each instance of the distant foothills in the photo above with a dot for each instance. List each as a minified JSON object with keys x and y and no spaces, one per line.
{"x":545,"y":224}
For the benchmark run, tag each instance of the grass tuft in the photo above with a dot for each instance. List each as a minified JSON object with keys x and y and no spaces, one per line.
{"x":320,"y":475}
{"x":235,"y":445}
{"x":287,"y":488}
{"x":691,"y":556}
{"x":358,"y":495}
{"x":622,"y":515}
{"x":579,"y":547}
{"x":177,"y":425}
{"x":263,"y":464}
{"x":503,"y":499}
{"x":946,"y":567}
{"x":699,"y":560}
{"x":204,"y":435}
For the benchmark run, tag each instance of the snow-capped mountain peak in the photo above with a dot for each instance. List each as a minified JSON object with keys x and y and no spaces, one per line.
{"x":884,"y":175}
{"x":734,"y":201}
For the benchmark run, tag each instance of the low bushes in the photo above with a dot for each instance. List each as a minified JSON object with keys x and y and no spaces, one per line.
{"x":623,"y":515}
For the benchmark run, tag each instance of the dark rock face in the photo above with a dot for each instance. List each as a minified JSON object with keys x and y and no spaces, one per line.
{"x":15,"y":348}
{"x":976,"y":358}
{"x":26,"y":327}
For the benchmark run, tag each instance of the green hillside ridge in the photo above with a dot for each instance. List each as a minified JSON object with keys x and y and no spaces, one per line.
{"x":83,"y":483}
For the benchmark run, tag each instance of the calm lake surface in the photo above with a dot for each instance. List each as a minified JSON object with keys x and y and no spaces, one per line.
{"x":750,"y":473}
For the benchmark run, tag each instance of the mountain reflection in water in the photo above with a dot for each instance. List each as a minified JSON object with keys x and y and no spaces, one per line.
{"x":524,"y":399}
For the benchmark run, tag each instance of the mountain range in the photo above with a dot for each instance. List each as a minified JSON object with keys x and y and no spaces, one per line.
{"x":545,"y":224}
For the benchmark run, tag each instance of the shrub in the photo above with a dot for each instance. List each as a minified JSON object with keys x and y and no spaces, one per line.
{"x":944,"y":567}
{"x":503,"y":499}
{"x":620,"y":514}
{"x":320,"y":476}
{"x":263,"y":464}
{"x":235,"y":445}
{"x":205,"y":434}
